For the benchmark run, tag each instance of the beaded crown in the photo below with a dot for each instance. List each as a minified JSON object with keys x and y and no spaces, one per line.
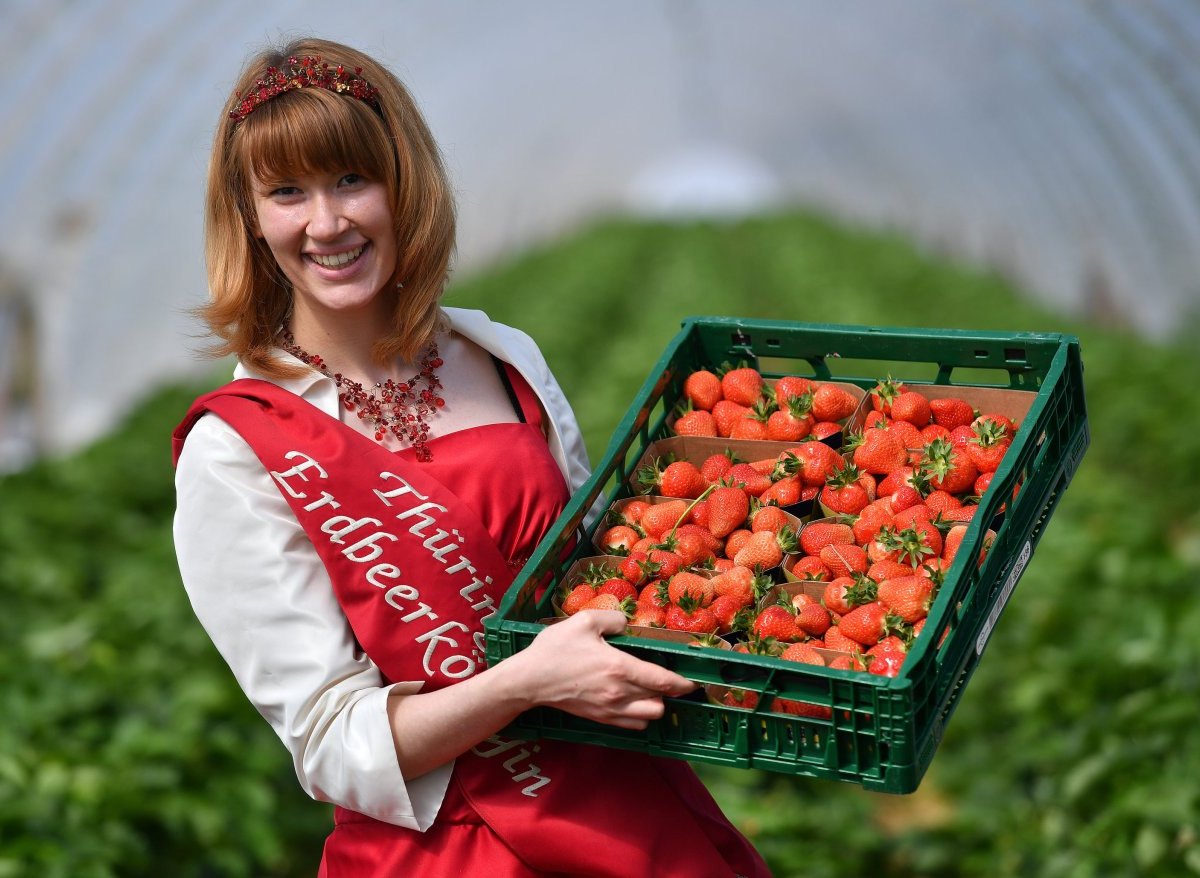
{"x":309,"y":71}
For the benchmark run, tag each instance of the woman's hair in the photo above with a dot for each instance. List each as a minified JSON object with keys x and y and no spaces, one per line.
{"x":318,"y":129}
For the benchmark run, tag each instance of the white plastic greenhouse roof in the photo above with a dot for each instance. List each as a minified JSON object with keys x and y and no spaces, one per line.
{"x":1055,"y":139}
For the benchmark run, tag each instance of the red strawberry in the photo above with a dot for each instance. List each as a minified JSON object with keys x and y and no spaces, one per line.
{"x":778,"y":622}
{"x":818,"y":534}
{"x":646,"y":616}
{"x":751,"y":479}
{"x":790,"y":387}
{"x":810,"y":568}
{"x":934,"y":431}
{"x":726,"y":413}
{"x":661,"y":517}
{"x":908,"y":597}
{"x":696,"y":423}
{"x":725,"y":610}
{"x":631,"y":512}
{"x":692,"y":547}
{"x":770,"y":518}
{"x":654,"y":594}
{"x":690,"y":585}
{"x":848,"y":663}
{"x":817,"y":462}
{"x":1001,"y":425}
{"x":885,"y":661}
{"x":737,"y":583}
{"x":949,"y":468}
{"x":865,"y":624}
{"x":988,"y":446}
{"x":638,"y":568}
{"x":886,"y":569}
{"x":843,"y":493}
{"x":577,"y":597}
{"x":835,"y":639}
{"x":682,"y":479}
{"x":941,"y":502}
{"x":884,"y":392}
{"x":749,"y":426}
{"x":813,"y":620}
{"x":831,"y":403}
{"x":847,"y":592}
{"x":727,"y":510}
{"x":766,"y":549}
{"x":784,"y":492}
{"x":735,"y":541}
{"x":792,"y":421}
{"x":604,"y":601}
{"x":881,"y":452}
{"x":873,"y":516}
{"x":951,"y":412}
{"x":716,"y":466}
{"x":802,"y":652}
{"x":669,"y":563}
{"x":618,"y":539}
{"x":620,"y":587}
{"x":688,"y":615}
{"x":825,"y":429}
{"x":711,"y":543}
{"x":703,"y":389}
{"x":740,"y":698}
{"x":743,"y":386}
{"x":844,"y":560}
{"x":911,"y":406}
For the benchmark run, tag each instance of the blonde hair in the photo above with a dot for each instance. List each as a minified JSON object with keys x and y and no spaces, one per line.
{"x":314,"y":129}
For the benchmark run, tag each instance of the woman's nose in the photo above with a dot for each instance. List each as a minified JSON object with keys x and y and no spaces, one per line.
{"x":327,"y":219}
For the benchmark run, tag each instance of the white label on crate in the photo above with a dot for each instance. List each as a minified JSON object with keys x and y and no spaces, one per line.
{"x":1005,"y":594}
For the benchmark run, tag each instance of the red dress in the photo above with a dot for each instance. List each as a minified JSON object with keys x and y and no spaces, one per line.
{"x":576,"y":809}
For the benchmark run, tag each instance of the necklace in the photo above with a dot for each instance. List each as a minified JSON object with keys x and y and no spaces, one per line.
{"x":395,"y":407}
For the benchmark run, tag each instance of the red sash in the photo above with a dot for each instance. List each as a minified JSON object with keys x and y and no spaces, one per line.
{"x":416,"y":572}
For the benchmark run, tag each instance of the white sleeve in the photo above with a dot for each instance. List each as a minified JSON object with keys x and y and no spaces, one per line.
{"x":261,"y":592}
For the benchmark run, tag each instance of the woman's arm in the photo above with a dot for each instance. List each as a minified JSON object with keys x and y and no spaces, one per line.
{"x":568,"y":666}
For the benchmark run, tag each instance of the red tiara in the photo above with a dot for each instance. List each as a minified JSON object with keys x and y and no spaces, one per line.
{"x":307,"y":72}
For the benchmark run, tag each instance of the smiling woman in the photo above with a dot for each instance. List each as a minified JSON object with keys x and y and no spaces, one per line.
{"x":348,"y":512}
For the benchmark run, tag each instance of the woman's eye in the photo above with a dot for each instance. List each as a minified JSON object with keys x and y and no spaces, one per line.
{"x":285,"y":191}
{"x":352,"y":179}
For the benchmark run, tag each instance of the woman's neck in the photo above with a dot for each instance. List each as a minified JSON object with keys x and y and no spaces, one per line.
{"x":345,"y":342}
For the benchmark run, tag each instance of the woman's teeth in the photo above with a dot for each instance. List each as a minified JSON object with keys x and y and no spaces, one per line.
{"x":337,"y":260}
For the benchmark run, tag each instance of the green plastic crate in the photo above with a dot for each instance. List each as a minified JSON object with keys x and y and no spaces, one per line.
{"x":883,"y":732}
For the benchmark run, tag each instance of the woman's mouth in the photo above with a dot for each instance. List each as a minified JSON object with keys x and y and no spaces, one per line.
{"x":337,"y":260}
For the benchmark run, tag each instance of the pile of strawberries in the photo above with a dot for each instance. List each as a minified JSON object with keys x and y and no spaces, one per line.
{"x":698,"y":556}
{"x":739,"y":404}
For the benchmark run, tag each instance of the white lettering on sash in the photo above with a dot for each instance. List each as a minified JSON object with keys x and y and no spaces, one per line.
{"x":385,"y":570}
{"x":405,"y":488}
{"x":455,"y":666}
{"x":326,"y":499}
{"x":341,"y":525}
{"x":371,"y":544}
{"x":401,"y":593}
{"x":531,"y":771}
{"x":306,"y":463}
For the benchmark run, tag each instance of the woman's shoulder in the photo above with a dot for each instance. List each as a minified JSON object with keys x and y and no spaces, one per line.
{"x":507,"y":342}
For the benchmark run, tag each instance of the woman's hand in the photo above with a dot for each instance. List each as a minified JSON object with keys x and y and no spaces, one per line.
{"x":571,"y":667}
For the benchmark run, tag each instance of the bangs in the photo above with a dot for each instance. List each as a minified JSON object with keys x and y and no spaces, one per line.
{"x":314,"y":131}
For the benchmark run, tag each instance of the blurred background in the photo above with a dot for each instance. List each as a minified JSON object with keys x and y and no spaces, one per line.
{"x":1023,"y":165}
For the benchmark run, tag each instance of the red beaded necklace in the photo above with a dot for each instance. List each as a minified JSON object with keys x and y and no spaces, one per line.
{"x":395,"y":407}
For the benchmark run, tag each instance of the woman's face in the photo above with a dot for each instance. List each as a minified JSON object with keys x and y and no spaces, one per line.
{"x":331,"y":234}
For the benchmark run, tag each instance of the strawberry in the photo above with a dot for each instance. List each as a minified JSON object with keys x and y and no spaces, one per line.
{"x":912,"y":407}
{"x":605,"y":601}
{"x":791,"y":387}
{"x":692,"y":547}
{"x":884,"y":392}
{"x":638,"y":568}
{"x":682,"y":479}
{"x":620,"y":587}
{"x":785,"y":492}
{"x":817,"y":534}
{"x":906,"y":517}
{"x":737,"y":583}
{"x":647,"y":616}
{"x":802,"y":652}
{"x":962,"y":514}
{"x":908,"y":435}
{"x":695,"y":423}
{"x":577,"y":597}
{"x":770,"y":518}
{"x":866,"y":624}
{"x":919,"y":543}
{"x":989,"y":444}
{"x":766,"y":549}
{"x":941,"y":502}
{"x":999,"y":424}
{"x":728,"y":508}
{"x":669,"y":563}
{"x":847,"y":592}
{"x":631,"y":512}
{"x":817,"y":462}
{"x":684,"y":584}
{"x":618,"y":540}
{"x":777,"y":622}
{"x":654,"y":594}
{"x":875,"y":418}
{"x":811,"y":569}
{"x":735,"y":541}
{"x":934,"y":431}
{"x":886,"y":569}
{"x":688,"y":615}
{"x":885,"y":662}
{"x":712,"y":544}
{"x":743,"y":386}
{"x":740,"y":698}
{"x":813,"y":620}
{"x":835,"y":639}
{"x":726,"y":413}
{"x":881,"y":452}
{"x":951,"y":412}
{"x":716,"y":466}
{"x":750,"y":426}
{"x":843,"y":493}
{"x":832,"y":403}
{"x":825,"y":429}
{"x":726,"y":610}
{"x":844,"y":560}
{"x":949,"y":469}
{"x":847,"y":663}
{"x":751,"y":479}
{"x":792,"y":421}
{"x":661,"y":517}
{"x":868,"y":522}
{"x":908,"y":597}
{"x":702,"y":389}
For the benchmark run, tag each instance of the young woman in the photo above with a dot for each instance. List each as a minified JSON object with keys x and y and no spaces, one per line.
{"x":356,"y":501}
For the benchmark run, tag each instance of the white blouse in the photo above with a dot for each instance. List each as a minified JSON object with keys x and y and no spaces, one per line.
{"x":261,"y":592}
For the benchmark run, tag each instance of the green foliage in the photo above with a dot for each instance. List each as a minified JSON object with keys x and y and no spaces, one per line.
{"x":126,"y":748}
